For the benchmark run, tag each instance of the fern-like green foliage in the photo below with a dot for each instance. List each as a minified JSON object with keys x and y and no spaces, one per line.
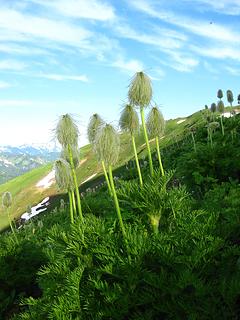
{"x":140,"y":90}
{"x":67,"y":131}
{"x":129,"y":120}
{"x":155,"y":123}
{"x":95,"y":124}
{"x":107,"y":145}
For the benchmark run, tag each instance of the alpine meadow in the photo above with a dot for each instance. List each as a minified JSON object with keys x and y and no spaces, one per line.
{"x":119,"y":160}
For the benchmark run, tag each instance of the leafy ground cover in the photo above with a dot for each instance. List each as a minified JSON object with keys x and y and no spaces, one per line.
{"x":181,"y":259}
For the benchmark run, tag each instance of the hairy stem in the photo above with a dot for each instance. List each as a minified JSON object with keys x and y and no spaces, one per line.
{"x":74,"y":203}
{"x":75,"y":183}
{"x":137,"y":162}
{"x":116,"y":203}
{"x":107,"y":179}
{"x":222,"y":127}
{"x":11,"y":226}
{"x":70,"y":195}
{"x":194,"y":143}
{"x":159,"y":156}
{"x":146,"y":140}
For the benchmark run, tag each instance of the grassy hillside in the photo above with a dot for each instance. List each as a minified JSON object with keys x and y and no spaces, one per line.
{"x":181,"y":245}
{"x":24,"y":188}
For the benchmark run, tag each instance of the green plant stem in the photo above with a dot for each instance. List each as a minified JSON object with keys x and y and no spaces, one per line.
{"x":147,"y":141}
{"x":107,"y":179}
{"x":222,"y":127}
{"x":70,"y":206}
{"x":74,"y":203}
{"x":136,"y":159}
{"x":11,"y":226}
{"x":116,"y":203}
{"x":211,"y":141}
{"x":159,"y":156}
{"x":194,"y":143}
{"x":75,"y":183}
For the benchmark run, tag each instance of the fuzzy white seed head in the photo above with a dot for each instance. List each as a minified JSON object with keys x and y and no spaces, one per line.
{"x":63,"y":175}
{"x":220,"y":106}
{"x":67,"y":131}
{"x":107,"y":145}
{"x":140,"y":90}
{"x":95,"y":124}
{"x":7,"y":199}
{"x":29,"y":209}
{"x":155,"y":123}
{"x":129,"y":120}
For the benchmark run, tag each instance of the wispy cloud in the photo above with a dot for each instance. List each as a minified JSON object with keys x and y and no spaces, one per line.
{"x":15,"y":103}
{"x":218,"y":52}
{"x":161,"y":37}
{"x":131,"y":66}
{"x":28,"y":27}
{"x":233,"y":71}
{"x":226,"y":7}
{"x":62,"y":77}
{"x":16,"y":49}
{"x":198,"y":27}
{"x":94,"y":9}
{"x":4,"y":85}
{"x":12,"y":65}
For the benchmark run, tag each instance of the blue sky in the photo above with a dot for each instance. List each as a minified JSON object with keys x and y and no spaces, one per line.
{"x":78,"y":56}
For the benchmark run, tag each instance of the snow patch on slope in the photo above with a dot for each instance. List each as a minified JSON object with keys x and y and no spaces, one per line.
{"x":180,"y":121}
{"x":47,"y":181}
{"x":36,"y":209}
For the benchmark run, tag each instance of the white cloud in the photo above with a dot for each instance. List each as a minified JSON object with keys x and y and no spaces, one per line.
{"x":218,"y":52}
{"x":233,"y":71}
{"x":61,"y":77}
{"x":180,"y":61}
{"x":198,"y":27}
{"x":12,"y":65}
{"x":21,"y":50}
{"x":131,"y":66}
{"x":17,"y":26}
{"x":16,"y":103}
{"x":4,"y":85}
{"x":227,"y":7}
{"x":87,"y":9}
{"x":162,"y":38}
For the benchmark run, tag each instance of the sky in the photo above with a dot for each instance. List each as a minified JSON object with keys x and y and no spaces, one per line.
{"x":79,"y":56}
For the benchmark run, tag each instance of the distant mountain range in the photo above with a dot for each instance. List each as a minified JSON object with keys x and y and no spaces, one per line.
{"x":16,"y":160}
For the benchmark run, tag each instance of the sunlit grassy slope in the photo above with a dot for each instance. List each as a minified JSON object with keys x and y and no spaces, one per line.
{"x":26,"y":193}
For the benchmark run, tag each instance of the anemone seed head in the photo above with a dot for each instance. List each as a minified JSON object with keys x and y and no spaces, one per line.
{"x":220,"y":106}
{"x":95,"y":124}
{"x":213,"y":107}
{"x":107,"y":145}
{"x":229,"y":96}
{"x":129,"y":119}
{"x":75,"y":154}
{"x":67,"y":131}
{"x":7,"y":199}
{"x":140,"y":90}
{"x":63,"y":175}
{"x":219,"y":94}
{"x":155,"y":123}
{"x":213,"y":125}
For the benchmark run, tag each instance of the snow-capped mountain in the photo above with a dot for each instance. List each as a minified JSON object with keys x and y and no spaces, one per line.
{"x":16,"y":160}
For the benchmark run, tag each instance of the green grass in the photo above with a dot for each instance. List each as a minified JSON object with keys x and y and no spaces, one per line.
{"x":23,"y":188}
